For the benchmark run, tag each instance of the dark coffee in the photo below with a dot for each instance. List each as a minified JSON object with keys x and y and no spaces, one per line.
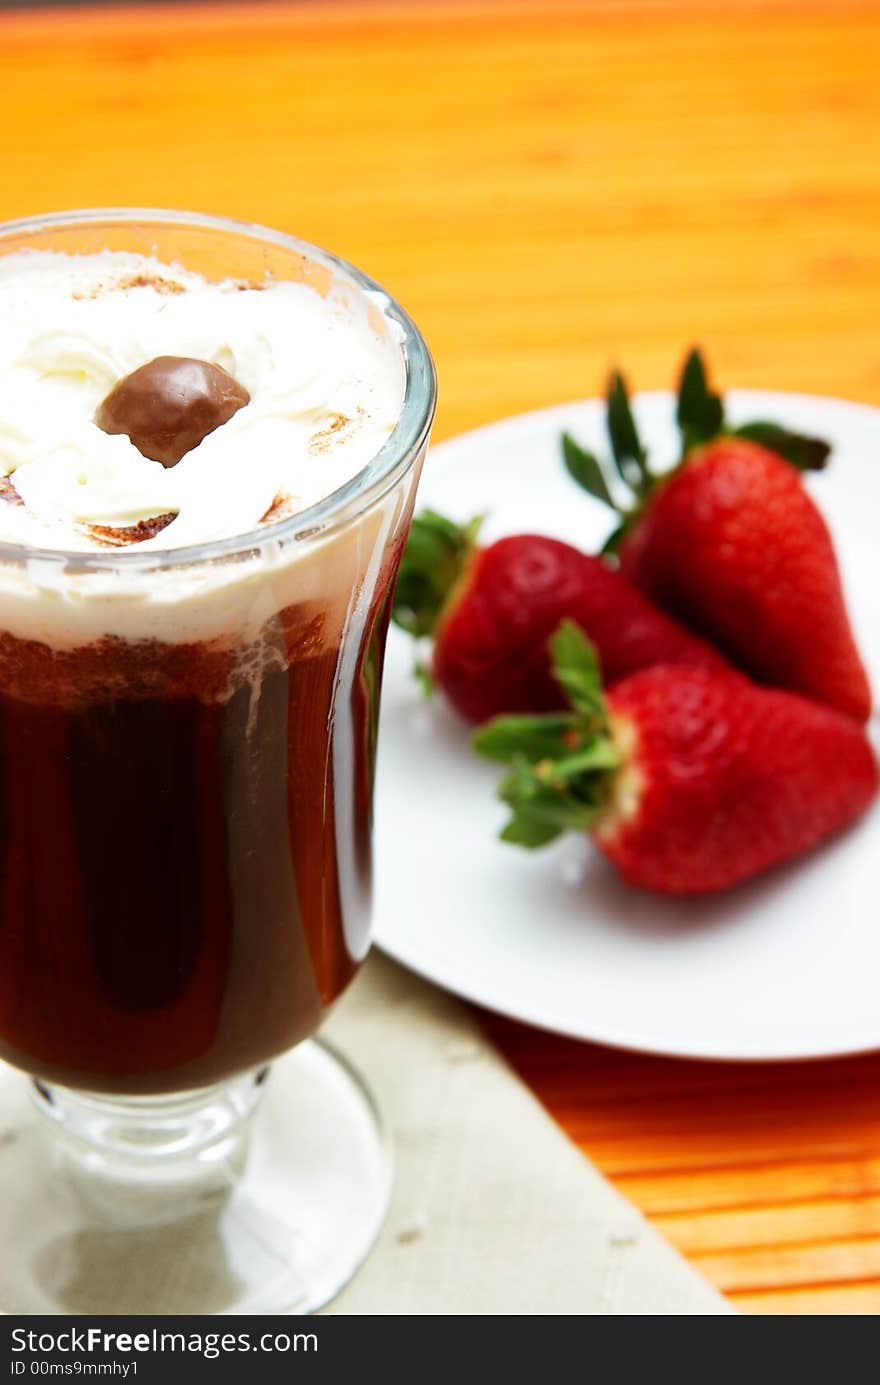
{"x":184,"y":848}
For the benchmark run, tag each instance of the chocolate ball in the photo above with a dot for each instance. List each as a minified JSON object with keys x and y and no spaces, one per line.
{"x":170,"y":404}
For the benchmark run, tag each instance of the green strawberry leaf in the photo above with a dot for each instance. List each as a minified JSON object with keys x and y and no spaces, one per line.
{"x":434,"y":560}
{"x":425,"y":679}
{"x":562,"y":764}
{"x":597,"y":753}
{"x":509,"y":738}
{"x":586,"y":469}
{"x":615,"y":538}
{"x":804,"y":452}
{"x":700,"y":412}
{"x":630,"y":457}
{"x":529,"y":831}
{"x":549,"y":803}
{"x":576,"y":669}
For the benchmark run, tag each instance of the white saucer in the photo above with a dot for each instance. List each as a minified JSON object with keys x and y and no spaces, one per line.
{"x":786,"y":967}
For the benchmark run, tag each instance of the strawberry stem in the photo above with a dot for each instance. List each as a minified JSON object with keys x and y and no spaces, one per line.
{"x":700,"y":415}
{"x":433,"y":564}
{"x":562,"y":764}
{"x":630,"y":460}
{"x":700,"y":418}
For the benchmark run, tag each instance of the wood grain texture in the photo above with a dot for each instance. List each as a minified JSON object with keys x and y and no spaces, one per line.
{"x":549,"y":187}
{"x":766,"y":1176}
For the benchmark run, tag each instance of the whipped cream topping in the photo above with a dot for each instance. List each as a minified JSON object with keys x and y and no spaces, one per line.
{"x":325,"y":393}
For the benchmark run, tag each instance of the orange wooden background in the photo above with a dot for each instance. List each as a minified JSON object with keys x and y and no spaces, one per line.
{"x":548,"y":186}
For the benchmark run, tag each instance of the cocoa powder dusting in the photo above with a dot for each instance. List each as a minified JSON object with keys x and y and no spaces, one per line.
{"x":113,"y":536}
{"x":135,"y":281}
{"x":320,"y":442}
{"x":8,"y":492}
{"x":282,"y":507}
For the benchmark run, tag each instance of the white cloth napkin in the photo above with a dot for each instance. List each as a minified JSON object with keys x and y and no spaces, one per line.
{"x":494,"y":1210}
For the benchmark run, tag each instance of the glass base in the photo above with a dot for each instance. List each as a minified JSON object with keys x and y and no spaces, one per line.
{"x":253,"y":1197}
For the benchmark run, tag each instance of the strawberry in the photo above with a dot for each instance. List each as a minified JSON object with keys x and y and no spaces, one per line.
{"x":731,"y":543}
{"x":689,"y":782}
{"x":492,"y":610}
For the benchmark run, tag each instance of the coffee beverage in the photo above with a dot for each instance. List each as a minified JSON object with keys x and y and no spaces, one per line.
{"x":188,"y":684}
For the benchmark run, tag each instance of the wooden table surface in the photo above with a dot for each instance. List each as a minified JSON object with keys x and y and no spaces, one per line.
{"x":548,"y":187}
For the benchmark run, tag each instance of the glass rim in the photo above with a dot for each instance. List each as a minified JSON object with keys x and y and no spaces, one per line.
{"x":326,"y":515}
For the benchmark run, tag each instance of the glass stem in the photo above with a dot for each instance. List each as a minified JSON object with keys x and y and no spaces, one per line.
{"x":142,"y":1160}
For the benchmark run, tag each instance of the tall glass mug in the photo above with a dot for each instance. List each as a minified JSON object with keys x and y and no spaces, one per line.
{"x":187,"y":746}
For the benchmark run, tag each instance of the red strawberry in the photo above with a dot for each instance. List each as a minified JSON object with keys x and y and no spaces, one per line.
{"x":731,"y":543}
{"x":492,"y":610}
{"x":688,"y":781}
